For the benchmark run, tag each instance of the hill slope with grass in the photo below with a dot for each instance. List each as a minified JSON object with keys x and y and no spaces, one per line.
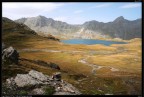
{"x":18,"y":34}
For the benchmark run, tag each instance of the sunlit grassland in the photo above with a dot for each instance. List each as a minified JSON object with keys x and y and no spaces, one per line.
{"x":125,"y":57}
{"x":67,"y":62}
{"x":128,"y":61}
{"x":122,"y":62}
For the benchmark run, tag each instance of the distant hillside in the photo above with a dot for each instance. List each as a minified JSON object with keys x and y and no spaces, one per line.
{"x":17,"y":33}
{"x":119,"y":28}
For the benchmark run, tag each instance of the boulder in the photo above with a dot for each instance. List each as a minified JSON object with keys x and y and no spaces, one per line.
{"x":22,"y":80}
{"x":10,"y":54}
{"x":36,"y":81}
{"x":38,"y":75}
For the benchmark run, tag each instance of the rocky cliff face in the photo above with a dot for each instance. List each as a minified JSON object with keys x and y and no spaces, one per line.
{"x":119,"y":28}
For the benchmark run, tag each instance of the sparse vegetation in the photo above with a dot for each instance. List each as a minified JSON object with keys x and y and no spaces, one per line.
{"x":49,"y":90}
{"x":23,"y":92}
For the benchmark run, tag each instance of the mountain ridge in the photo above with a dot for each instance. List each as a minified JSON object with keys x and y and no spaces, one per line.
{"x":119,"y":28}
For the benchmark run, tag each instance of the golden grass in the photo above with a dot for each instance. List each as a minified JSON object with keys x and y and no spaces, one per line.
{"x":66,"y":61}
{"x":39,"y":68}
{"x":120,"y":61}
{"x":128,"y":62}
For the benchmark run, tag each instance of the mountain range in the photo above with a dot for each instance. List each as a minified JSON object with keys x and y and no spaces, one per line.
{"x":119,"y":28}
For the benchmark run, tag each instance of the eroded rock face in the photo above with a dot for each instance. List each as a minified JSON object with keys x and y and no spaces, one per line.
{"x":37,"y":78}
{"x":38,"y":75}
{"x":10,"y":54}
{"x":22,"y":80}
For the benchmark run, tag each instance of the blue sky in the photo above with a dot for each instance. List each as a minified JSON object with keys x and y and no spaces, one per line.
{"x":73,"y":13}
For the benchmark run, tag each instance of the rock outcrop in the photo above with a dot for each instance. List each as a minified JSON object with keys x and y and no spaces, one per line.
{"x":10,"y":54}
{"x":34,"y":78}
{"x":52,"y":38}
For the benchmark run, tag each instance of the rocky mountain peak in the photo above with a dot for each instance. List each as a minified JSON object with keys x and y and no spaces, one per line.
{"x":40,"y":16}
{"x":121,"y":18}
{"x":43,"y":18}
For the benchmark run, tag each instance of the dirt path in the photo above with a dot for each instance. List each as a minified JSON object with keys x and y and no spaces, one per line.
{"x":83,"y":61}
{"x":95,"y":67}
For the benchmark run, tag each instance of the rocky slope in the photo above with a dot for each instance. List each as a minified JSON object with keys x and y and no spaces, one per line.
{"x":33,"y":83}
{"x":46,"y":26}
{"x":39,"y":84}
{"x":119,"y":28}
{"x":18,"y":33}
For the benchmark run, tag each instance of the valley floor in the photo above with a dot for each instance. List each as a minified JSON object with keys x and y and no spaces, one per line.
{"x":93,"y":69}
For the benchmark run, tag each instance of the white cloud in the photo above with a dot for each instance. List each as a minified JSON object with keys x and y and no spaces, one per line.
{"x":78,"y":11}
{"x":15,"y":10}
{"x":131,"y":5}
{"x":102,"y":5}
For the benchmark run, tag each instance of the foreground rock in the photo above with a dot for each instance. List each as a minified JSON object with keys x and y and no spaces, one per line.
{"x":10,"y":55}
{"x":35,"y":78}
